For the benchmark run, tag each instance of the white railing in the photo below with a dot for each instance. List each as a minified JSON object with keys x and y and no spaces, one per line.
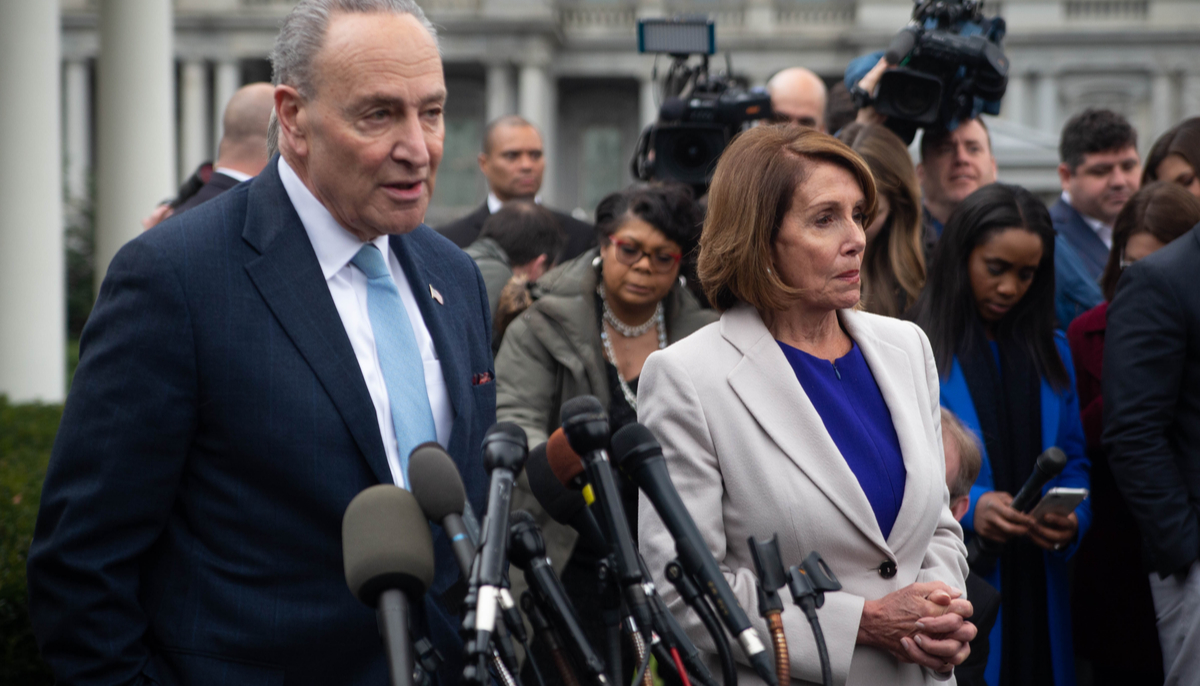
{"x":1107,"y":10}
{"x":815,"y":12}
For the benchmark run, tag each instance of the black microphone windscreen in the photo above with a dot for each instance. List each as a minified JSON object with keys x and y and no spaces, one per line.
{"x":580,"y":405}
{"x":510,"y":429}
{"x":1053,"y":461}
{"x":557,"y":500}
{"x":631,"y":441}
{"x":386,"y":544}
{"x":434,"y":480}
{"x":520,"y":517}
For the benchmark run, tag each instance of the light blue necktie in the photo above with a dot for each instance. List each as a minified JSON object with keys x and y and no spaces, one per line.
{"x":400,"y":358}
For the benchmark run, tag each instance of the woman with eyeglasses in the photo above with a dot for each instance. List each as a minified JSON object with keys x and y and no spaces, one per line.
{"x":593,"y":322}
{"x":1117,"y":632}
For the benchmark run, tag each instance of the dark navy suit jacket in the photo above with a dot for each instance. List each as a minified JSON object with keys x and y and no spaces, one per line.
{"x":217,"y":428}
{"x":1079,"y":259}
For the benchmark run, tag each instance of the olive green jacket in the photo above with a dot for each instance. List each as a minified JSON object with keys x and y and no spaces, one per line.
{"x":552,"y":353}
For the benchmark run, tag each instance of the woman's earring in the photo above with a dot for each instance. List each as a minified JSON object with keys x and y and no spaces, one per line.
{"x":596,"y":261}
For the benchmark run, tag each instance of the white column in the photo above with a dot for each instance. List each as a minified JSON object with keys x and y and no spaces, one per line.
{"x":499,"y":91}
{"x":227,"y":79}
{"x":193,"y":117}
{"x":33,"y":322}
{"x":1190,"y":98}
{"x":135,"y":167}
{"x":1160,"y":104}
{"x":648,"y":102}
{"x":1015,"y":105}
{"x":1047,"y":104}
{"x":537,"y":102}
{"x":76,"y":131}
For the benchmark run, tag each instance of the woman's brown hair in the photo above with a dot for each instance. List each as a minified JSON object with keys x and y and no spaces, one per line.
{"x":1162,"y":209}
{"x":894,"y":261}
{"x":1183,"y":139}
{"x":751,"y":192}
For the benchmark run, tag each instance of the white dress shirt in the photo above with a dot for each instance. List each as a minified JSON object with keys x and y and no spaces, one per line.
{"x":239,"y":176}
{"x":1103,"y":231}
{"x":335,"y":247}
{"x":494,"y":204}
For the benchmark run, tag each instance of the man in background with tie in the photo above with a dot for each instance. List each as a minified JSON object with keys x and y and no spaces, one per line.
{"x":247,"y":372}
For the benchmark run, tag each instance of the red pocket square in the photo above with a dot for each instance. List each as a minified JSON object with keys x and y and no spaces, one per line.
{"x":482,"y":378}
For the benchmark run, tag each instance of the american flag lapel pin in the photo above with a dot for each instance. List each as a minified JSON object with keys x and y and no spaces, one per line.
{"x":433,"y":293}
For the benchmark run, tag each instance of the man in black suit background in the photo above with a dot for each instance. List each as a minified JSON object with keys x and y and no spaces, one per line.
{"x":1099,"y":171}
{"x":249,"y":368}
{"x":242,"y":153}
{"x":513,"y":161}
{"x":1152,"y":434}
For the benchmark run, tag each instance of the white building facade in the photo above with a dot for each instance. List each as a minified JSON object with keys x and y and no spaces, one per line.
{"x":142,"y":84}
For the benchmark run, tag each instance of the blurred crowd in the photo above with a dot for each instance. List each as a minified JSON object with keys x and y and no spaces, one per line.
{"x":1042,"y":330}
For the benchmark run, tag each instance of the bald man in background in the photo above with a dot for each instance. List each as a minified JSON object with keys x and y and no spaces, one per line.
{"x":243,"y":150}
{"x":798,"y":97}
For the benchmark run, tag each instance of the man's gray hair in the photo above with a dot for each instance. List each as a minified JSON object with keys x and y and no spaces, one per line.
{"x":301,"y":36}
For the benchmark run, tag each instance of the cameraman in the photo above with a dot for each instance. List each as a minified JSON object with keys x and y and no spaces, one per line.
{"x":954,"y":164}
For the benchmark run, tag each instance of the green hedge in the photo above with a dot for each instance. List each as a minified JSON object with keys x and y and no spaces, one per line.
{"x":26,"y":436}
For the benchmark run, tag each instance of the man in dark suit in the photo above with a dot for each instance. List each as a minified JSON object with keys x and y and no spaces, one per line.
{"x":1152,"y":434}
{"x":513,"y":161}
{"x":249,"y":368}
{"x":242,"y":153}
{"x":1099,"y":171}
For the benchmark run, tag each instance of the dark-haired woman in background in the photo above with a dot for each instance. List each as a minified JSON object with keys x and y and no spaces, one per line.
{"x":1117,"y":631}
{"x":1175,"y":157}
{"x":988,"y":309}
{"x":593,"y":322}
{"x":893,"y":267}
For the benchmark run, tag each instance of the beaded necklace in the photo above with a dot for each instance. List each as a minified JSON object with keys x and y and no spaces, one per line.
{"x":628,"y":331}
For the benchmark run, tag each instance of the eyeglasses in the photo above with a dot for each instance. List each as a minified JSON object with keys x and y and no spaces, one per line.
{"x":630,"y":253}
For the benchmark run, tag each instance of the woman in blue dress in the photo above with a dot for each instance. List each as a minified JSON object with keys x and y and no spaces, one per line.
{"x":988,"y":309}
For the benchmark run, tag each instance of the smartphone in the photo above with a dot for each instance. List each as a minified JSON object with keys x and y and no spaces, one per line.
{"x":1059,"y":501}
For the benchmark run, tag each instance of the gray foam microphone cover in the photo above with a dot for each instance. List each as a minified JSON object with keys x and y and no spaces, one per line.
{"x":435,"y":481}
{"x":386,"y":544}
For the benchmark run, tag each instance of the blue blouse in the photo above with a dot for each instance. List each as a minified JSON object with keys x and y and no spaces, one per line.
{"x":846,"y":396}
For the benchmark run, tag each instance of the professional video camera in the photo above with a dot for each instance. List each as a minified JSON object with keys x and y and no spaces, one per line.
{"x":700,"y":112}
{"x":950,"y":67}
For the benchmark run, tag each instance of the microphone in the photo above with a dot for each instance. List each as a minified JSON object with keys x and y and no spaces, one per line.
{"x":564,"y":506}
{"x":1048,"y":465}
{"x":555,"y":457}
{"x":438,"y":487}
{"x":586,"y":426}
{"x":529,"y":555}
{"x":387,"y":552}
{"x":902,"y":44}
{"x":504,"y":452}
{"x":768,"y":563}
{"x":641,"y":458}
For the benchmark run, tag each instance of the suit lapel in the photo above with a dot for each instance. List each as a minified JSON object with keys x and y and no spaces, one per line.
{"x":289,"y":278}
{"x":766,"y":384}
{"x":1085,"y":241}
{"x":894,"y":373}
{"x":424,"y":269}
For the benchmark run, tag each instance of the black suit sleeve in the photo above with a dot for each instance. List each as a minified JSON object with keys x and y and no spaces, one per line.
{"x":1144,"y":356}
{"x":114,"y":473}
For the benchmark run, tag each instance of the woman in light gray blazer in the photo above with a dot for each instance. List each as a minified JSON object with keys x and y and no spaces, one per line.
{"x":797,"y":415}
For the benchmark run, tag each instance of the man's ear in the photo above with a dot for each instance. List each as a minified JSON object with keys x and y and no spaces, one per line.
{"x":959,"y":505}
{"x":290,"y":109}
{"x":921,"y":173}
{"x":482,"y":159}
{"x":1064,"y":175}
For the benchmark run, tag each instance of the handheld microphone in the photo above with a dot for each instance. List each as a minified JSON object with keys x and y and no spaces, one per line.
{"x":387,"y":552}
{"x":529,"y":554}
{"x":1049,"y":465}
{"x":768,"y":563}
{"x":438,"y":487}
{"x":564,"y":505}
{"x":641,"y":458}
{"x":504,"y":452}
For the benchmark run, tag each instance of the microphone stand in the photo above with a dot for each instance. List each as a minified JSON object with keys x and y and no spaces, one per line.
{"x":691,"y":595}
{"x":808,"y":582}
{"x":543,"y":630}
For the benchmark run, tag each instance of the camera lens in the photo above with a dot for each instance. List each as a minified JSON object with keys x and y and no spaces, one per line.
{"x":692,"y":150}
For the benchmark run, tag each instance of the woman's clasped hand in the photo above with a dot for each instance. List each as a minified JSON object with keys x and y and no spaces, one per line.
{"x":922,"y":623}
